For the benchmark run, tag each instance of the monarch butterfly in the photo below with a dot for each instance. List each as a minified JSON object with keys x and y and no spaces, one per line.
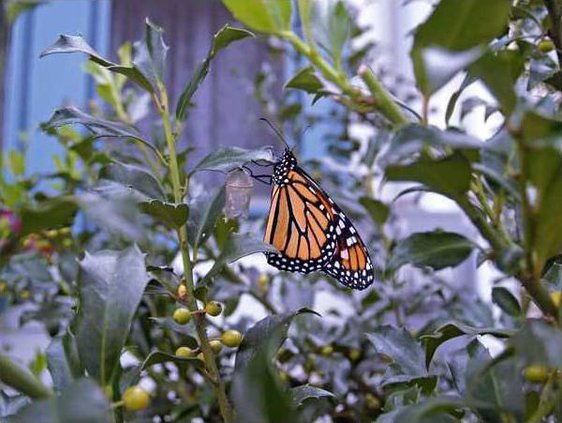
{"x":310,"y":231}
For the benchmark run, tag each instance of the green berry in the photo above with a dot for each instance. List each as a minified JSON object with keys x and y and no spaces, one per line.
{"x":231,"y":338}
{"x":536,"y":373}
{"x":135,"y":399}
{"x":182,"y":316}
{"x":213,"y":308}
{"x":327,"y":351}
{"x":215,"y":345}
{"x":546,"y":45}
{"x":185,"y":352}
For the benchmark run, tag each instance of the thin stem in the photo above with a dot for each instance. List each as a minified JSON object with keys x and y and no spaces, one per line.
{"x":190,"y":302}
{"x":555,"y":13}
{"x":22,"y":380}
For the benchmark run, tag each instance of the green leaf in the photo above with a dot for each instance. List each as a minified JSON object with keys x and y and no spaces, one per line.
{"x":304,"y":392}
{"x":269,"y":16}
{"x":467,"y":81}
{"x":158,"y":357}
{"x":259,"y":396}
{"x":187,"y":333}
{"x":150,"y":54}
{"x":305,"y":80}
{"x":399,"y":346}
{"x":134,"y":177}
{"x":469,"y":25}
{"x":505,"y":300}
{"x":63,"y":361}
{"x":452,"y":330}
{"x":111,"y":285}
{"x":228,"y":158}
{"x":82,"y":402}
{"x":236,"y":247}
{"x":77,"y":44}
{"x":538,"y":343}
{"x":16,"y":160}
{"x":267,"y":335}
{"x":500,"y":71}
{"x":432,"y":410}
{"x":449,"y":176}
{"x":204,"y":212}
{"x":436,"y":249}
{"x":49,"y":214}
{"x":378,"y":211}
{"x":222,"y":39}
{"x":172,"y":215}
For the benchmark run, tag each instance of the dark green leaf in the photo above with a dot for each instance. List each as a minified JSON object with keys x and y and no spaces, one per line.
{"x":158,"y":357}
{"x":433,"y":410}
{"x":500,"y":71}
{"x":505,"y":300}
{"x":268,"y":334}
{"x":172,"y":215}
{"x":453,"y":330}
{"x":225,"y":159}
{"x":222,"y":39}
{"x":82,"y":402}
{"x":262,"y":15}
{"x":378,"y":211}
{"x":305,"y":80}
{"x":539,"y":343}
{"x":436,"y":249}
{"x":203,"y":214}
{"x":50,"y":214}
{"x":236,"y":247}
{"x":150,"y":54}
{"x":77,"y":44}
{"x":187,"y":333}
{"x":134,"y":177}
{"x":467,"y":81}
{"x":111,"y":285}
{"x":449,"y":176}
{"x":302,"y":393}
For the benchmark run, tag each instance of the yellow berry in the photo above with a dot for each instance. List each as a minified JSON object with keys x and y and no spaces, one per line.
{"x":536,"y":373}
{"x":213,"y":308}
{"x":182,"y":315}
{"x":3,"y":286}
{"x":201,"y":357}
{"x":546,"y":45}
{"x":52,"y":233}
{"x":556,"y":296}
{"x":185,"y":352}
{"x":231,"y":338}
{"x":135,"y":398}
{"x":25,"y":294}
{"x":263,"y":282}
{"x":354,"y":354}
{"x":215,"y":345}
{"x":327,"y":351}
{"x":372,"y":402}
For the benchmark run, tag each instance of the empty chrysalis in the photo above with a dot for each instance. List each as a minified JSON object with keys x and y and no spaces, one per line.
{"x":239,"y":187}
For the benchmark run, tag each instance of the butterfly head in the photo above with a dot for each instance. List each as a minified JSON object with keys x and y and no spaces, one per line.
{"x":287,"y":162}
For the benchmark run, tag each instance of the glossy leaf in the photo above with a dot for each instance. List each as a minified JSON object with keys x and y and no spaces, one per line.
{"x":269,"y":16}
{"x":150,"y":54}
{"x":172,"y":215}
{"x":304,"y":392}
{"x":433,"y":410}
{"x":134,"y":177}
{"x":436,"y":249}
{"x":267,"y":335}
{"x":204,"y":212}
{"x":378,"y":211}
{"x":228,"y":158}
{"x":505,"y":300}
{"x":449,"y":176}
{"x":77,"y":44}
{"x":539,"y":343}
{"x":82,"y":402}
{"x":49,"y":214}
{"x":111,"y":284}
{"x":305,"y":80}
{"x":224,"y":37}
{"x":452,"y":330}
{"x":63,"y":361}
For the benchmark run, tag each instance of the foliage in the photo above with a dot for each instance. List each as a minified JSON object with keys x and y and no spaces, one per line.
{"x":93,"y":248}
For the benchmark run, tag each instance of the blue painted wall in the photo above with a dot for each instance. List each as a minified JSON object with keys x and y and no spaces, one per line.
{"x":36,"y":87}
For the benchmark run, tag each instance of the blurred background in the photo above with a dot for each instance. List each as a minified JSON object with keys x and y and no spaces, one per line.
{"x":245,"y":84}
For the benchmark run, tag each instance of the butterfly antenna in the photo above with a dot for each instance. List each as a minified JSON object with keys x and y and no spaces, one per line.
{"x":277,"y":132}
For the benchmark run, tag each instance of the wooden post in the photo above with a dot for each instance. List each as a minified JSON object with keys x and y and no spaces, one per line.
{"x":4,"y":44}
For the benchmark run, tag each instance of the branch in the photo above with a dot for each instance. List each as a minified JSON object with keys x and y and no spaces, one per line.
{"x":555,"y":31}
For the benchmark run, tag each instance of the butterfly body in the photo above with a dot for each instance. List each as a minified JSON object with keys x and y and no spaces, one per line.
{"x":310,"y":230}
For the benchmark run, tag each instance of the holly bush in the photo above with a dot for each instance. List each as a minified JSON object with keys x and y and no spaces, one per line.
{"x":140,"y":278}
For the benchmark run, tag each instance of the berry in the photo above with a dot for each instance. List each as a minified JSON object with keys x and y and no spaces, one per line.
{"x":182,"y":316}
{"x":263,"y":282}
{"x":213,"y":308}
{"x":556,"y":296}
{"x":354,"y":354}
{"x":185,"y":352}
{"x":536,"y":373}
{"x":215,"y":345}
{"x":231,"y":338}
{"x":546,"y":45}
{"x":327,"y":351}
{"x":135,"y":398}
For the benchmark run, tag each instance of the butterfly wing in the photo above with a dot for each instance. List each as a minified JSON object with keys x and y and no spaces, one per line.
{"x":300,"y":225}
